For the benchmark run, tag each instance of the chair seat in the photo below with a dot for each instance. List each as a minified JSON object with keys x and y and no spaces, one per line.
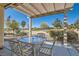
{"x":47,"y":46}
{"x":27,"y":53}
{"x":26,"y":48}
{"x":45,"y":51}
{"x":48,"y":42}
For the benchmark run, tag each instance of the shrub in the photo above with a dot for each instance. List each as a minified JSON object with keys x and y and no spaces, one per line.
{"x":18,"y":31}
{"x":23,"y":33}
{"x":72,"y":36}
{"x":58,"y":34}
{"x":52,"y":33}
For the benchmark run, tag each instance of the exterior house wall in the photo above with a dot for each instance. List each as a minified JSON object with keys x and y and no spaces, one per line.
{"x":1,"y":26}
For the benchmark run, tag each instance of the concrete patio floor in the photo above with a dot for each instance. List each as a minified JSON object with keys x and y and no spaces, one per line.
{"x":58,"y":50}
{"x":61,"y":50}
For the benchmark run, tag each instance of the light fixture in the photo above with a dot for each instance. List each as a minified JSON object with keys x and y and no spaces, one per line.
{"x":27,"y":17}
{"x":71,"y":9}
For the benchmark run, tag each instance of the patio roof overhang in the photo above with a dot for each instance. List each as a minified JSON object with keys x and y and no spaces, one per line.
{"x":34,"y":10}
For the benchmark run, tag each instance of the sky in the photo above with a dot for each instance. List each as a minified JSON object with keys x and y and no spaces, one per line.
{"x":72,"y":16}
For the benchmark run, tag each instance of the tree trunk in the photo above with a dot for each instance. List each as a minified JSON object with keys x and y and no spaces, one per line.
{"x":13,"y":33}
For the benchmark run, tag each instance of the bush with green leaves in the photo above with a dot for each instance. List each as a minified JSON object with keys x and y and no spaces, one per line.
{"x":52,"y":33}
{"x":18,"y":32}
{"x":23,"y":33}
{"x":58,"y":34}
{"x":72,"y":36}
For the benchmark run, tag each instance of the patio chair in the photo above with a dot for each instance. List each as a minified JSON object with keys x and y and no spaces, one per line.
{"x":46,"y":48}
{"x":26,"y":49}
{"x":15,"y":47}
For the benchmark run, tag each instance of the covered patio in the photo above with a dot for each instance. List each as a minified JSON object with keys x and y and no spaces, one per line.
{"x":33,"y":10}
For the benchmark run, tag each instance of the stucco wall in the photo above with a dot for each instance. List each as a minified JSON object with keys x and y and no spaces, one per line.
{"x":1,"y":27}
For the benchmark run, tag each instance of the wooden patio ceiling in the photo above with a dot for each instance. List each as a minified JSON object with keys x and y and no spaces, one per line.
{"x":39,"y":9}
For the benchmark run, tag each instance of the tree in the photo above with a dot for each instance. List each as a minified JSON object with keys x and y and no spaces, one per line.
{"x":8,"y":23}
{"x":23,"y":23}
{"x":44,"y":25}
{"x":77,"y":24}
{"x":18,"y":31}
{"x":57,"y":23}
{"x":14,"y":25}
{"x":72,"y":26}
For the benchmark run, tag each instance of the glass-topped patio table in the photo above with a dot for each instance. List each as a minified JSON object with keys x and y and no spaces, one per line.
{"x":36,"y":42}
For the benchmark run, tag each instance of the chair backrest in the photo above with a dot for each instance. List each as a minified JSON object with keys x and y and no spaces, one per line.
{"x":26,"y":49}
{"x":15,"y":47}
{"x":47,"y":47}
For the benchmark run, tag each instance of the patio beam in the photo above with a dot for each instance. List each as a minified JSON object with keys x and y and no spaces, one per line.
{"x":54,"y":6}
{"x":7,"y":5}
{"x":27,"y":8}
{"x":44,"y":7}
{"x":30,"y":30}
{"x":19,"y":9}
{"x":50,"y":13}
{"x":35,"y":8}
{"x":1,"y":26}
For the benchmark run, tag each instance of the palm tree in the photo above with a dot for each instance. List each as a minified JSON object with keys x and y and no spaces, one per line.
{"x":14,"y":25}
{"x":23,"y":23}
{"x":44,"y":25}
{"x":8,"y":23}
{"x":57,"y":23}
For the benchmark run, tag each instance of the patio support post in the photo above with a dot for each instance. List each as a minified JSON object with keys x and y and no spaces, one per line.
{"x":30,"y":30}
{"x":1,"y":26}
{"x":65,"y":28}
